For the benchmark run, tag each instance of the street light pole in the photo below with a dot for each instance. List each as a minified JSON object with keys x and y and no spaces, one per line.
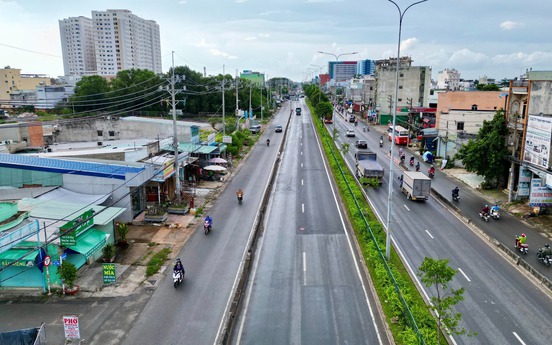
{"x":391,"y":162}
{"x":336,"y":60}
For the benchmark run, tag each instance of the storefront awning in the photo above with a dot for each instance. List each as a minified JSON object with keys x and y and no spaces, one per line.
{"x":89,"y":243}
{"x":18,"y":257}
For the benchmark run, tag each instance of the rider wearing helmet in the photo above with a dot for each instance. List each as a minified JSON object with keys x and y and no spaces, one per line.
{"x":546,"y":250}
{"x":495,"y":208}
{"x":485,"y":209}
{"x":178,"y":267}
{"x":522,"y":239}
{"x":209,"y":220}
{"x":456,"y":191}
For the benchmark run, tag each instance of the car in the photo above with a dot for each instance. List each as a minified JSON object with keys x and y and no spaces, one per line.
{"x":352,"y":118}
{"x":350,"y":133}
{"x":330,"y":121}
{"x":278,"y":128}
{"x":255,"y":128}
{"x":361,"y":144}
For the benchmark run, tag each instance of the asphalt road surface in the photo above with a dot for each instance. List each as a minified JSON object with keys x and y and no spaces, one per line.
{"x":306,"y":287}
{"x":502,"y":303}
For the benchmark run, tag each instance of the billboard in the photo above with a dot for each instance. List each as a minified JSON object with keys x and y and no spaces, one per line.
{"x":541,"y":196}
{"x":537,"y":141}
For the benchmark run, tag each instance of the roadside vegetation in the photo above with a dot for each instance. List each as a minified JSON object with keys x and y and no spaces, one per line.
{"x":157,"y":260}
{"x":409,"y":318}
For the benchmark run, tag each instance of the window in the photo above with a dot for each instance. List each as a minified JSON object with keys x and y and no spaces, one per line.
{"x":111,"y":133}
{"x":474,"y":107}
{"x":100,"y":133}
{"x":401,"y":75}
{"x":400,"y":87}
{"x":459,"y":126}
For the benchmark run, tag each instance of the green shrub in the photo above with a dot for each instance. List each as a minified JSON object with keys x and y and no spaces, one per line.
{"x":156,"y":261}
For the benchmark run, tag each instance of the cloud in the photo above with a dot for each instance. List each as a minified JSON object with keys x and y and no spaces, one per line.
{"x":202,"y":44}
{"x":250,"y":38}
{"x":521,"y":58}
{"x":217,"y":52}
{"x":467,"y":57}
{"x":409,"y":43}
{"x":267,"y":13}
{"x":509,"y":25}
{"x":183,"y":2}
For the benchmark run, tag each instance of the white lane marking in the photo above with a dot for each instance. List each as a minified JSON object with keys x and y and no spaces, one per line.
{"x":464,"y":274}
{"x":429,"y":234}
{"x":518,"y":338}
{"x":301,"y":144}
{"x":301,"y":182}
{"x":304,"y":268}
{"x":406,"y":207}
{"x":301,"y":153}
{"x":301,"y":165}
{"x":303,"y":208}
{"x":351,"y":250}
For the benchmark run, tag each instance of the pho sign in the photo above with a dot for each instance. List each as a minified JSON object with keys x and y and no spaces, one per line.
{"x":71,"y":327}
{"x":227,"y":139}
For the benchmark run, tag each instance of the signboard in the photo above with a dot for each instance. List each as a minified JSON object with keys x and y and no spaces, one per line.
{"x":537,"y":140}
{"x":524,"y":184}
{"x":168,"y":168}
{"x":109,"y":273}
{"x":541,"y":196}
{"x":227,"y":139}
{"x":211,"y":138}
{"x":71,"y":327}
{"x":79,"y":225}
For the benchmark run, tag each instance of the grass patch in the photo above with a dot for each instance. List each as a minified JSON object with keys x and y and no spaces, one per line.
{"x":156,"y":261}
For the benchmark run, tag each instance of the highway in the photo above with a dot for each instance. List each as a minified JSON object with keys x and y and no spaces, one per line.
{"x":306,"y":286}
{"x":502,"y":303}
{"x":193,"y":313}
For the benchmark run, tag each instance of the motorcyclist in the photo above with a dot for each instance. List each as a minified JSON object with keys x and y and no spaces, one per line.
{"x":381,"y":141}
{"x":239,"y":193}
{"x":432,"y":170}
{"x":522,"y":239}
{"x":412,"y":161}
{"x":485,"y":210}
{"x":209,"y":220}
{"x":179,"y":267}
{"x":455,"y":191}
{"x":495,"y":208}
{"x":545,"y":251}
{"x":418,"y":166}
{"x":267,"y":142}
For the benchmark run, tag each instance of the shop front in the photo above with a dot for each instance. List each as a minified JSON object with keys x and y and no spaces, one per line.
{"x":22,"y":266}
{"x":81,"y":241}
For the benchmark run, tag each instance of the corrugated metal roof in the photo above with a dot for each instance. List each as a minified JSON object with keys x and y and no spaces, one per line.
{"x":66,"y":166}
{"x":202,"y":149}
{"x":51,"y":209}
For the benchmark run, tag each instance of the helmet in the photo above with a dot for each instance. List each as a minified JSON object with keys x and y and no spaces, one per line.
{"x":522,"y":235}
{"x":547,"y":246}
{"x":486,"y":205}
{"x":178,"y":259}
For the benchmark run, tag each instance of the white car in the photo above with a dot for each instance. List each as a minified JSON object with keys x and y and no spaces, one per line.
{"x":350,"y":133}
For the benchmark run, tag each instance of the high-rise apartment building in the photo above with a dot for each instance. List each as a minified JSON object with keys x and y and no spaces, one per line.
{"x":342,"y":70}
{"x":448,"y":79}
{"x":112,"y":41}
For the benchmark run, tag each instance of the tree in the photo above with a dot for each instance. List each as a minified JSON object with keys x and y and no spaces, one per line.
{"x":324,"y":109}
{"x":345,"y":148}
{"x":487,"y":155}
{"x":89,"y":91}
{"x":487,"y":87}
{"x":437,"y":274}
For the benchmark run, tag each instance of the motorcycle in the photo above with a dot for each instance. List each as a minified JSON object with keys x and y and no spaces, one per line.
{"x":431,"y":173}
{"x":206,"y":227}
{"x":178,"y":276}
{"x":418,"y":167}
{"x":495,"y":215}
{"x":240,"y":199}
{"x":485,"y":216}
{"x":455,"y":197}
{"x":546,"y":259}
{"x":412,"y":161}
{"x":267,"y":142}
{"x":381,"y":142}
{"x":523,"y":248}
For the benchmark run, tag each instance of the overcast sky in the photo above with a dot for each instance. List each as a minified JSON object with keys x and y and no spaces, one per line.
{"x":281,"y":38}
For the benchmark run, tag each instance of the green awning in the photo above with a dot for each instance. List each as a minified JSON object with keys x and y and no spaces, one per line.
{"x":18,"y":257}
{"x":89,"y":243}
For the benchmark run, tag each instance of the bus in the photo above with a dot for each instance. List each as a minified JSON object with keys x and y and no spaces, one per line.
{"x":401,"y":135}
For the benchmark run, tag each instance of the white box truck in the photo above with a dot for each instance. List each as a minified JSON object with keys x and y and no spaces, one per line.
{"x":416,"y":185}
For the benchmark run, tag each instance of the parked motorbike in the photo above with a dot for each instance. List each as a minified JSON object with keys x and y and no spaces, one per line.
{"x":495,"y":215}
{"x":206,"y":227}
{"x":485,"y":216}
{"x":545,"y":258}
{"x":523,"y":248}
{"x":178,"y":276}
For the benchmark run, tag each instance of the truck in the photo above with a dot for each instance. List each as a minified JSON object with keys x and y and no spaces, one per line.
{"x":367,"y":165}
{"x":415,"y":185}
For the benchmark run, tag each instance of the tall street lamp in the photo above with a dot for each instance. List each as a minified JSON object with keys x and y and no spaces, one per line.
{"x":391,"y":162}
{"x":336,"y":60}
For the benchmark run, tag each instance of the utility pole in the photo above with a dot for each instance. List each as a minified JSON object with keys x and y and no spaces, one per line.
{"x":390,"y":101}
{"x":250,"y":110}
{"x":223,"y":105}
{"x":237,"y":100}
{"x":513,"y":165}
{"x":175,"y":138}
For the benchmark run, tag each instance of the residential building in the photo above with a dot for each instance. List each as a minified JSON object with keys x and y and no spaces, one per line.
{"x":448,"y":79}
{"x":109,"y":42}
{"x":460,"y":115}
{"x":11,"y":80}
{"x":77,"y":46}
{"x":413,"y":88}
{"x":255,"y":77}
